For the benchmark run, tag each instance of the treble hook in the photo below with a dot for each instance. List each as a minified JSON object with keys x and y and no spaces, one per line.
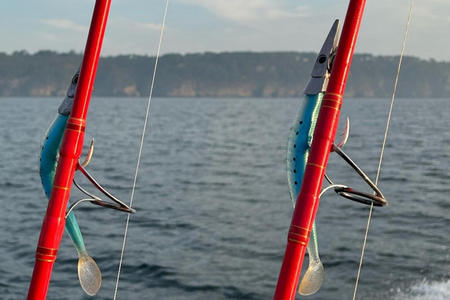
{"x":117,"y":203}
{"x":376,"y":199}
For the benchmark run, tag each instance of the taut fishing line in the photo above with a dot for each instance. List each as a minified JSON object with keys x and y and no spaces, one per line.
{"x":388,"y":123}
{"x":144,"y":129}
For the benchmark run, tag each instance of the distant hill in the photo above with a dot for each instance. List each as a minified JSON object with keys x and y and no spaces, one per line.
{"x":227,"y":74}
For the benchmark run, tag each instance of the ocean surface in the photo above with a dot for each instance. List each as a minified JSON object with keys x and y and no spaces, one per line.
{"x":213,"y":205}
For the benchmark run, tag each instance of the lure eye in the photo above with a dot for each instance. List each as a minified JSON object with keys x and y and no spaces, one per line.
{"x":75,"y":79}
{"x":321,"y":59}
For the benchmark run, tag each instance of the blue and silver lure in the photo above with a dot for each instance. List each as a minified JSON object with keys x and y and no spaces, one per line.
{"x":88,"y":272}
{"x":299,"y":146}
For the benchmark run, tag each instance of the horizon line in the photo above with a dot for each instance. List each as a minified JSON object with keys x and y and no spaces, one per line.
{"x":211,"y":52}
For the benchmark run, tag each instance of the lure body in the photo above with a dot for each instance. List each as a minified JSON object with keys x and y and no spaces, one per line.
{"x":310,"y":143}
{"x":48,"y":164}
{"x":300,"y":140}
{"x":49,"y":159}
{"x":299,"y":146}
{"x":89,"y":273}
{"x":324,"y":133}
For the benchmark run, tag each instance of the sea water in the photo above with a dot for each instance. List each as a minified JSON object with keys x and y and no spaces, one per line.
{"x":212,"y":200}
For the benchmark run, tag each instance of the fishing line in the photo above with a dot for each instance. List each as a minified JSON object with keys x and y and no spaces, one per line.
{"x":388,"y":123}
{"x":144,"y":129}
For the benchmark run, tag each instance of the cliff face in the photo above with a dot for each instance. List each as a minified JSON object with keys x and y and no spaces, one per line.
{"x":234,"y":74}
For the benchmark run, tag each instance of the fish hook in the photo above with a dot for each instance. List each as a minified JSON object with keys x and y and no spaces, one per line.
{"x":377,"y":199}
{"x":88,"y":158}
{"x":115,"y":204}
{"x":345,"y":134}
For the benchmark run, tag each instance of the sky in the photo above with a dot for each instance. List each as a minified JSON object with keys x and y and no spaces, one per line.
{"x":224,"y":25}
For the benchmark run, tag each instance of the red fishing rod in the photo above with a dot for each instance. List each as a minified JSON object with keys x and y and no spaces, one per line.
{"x":324,"y":134}
{"x":72,"y":144}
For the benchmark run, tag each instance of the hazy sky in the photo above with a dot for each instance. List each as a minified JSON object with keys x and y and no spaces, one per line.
{"x":223,"y":25}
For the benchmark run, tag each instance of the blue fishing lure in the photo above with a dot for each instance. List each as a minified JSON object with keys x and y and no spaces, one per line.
{"x":299,"y":146}
{"x":88,"y":272}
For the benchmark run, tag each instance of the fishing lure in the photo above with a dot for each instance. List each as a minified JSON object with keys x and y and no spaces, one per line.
{"x":299,"y":146}
{"x":89,"y":273}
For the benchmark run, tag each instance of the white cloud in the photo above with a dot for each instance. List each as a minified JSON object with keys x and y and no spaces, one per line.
{"x":64,"y":24}
{"x":299,"y":11}
{"x":249,"y":11}
{"x":128,"y":24}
